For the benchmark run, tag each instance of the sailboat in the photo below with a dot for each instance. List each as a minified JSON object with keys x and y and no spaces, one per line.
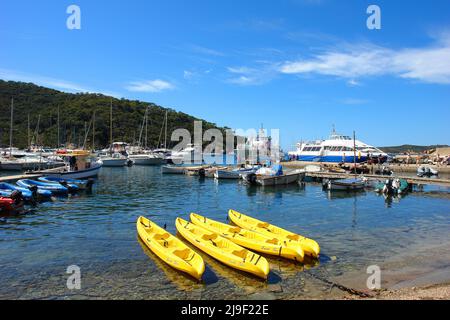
{"x":141,"y":155}
{"x":116,"y":156}
{"x":163,"y":151}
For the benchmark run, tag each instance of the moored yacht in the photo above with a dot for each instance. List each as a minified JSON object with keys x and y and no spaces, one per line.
{"x":337,"y":148}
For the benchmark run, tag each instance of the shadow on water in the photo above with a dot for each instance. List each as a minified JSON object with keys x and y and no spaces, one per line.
{"x":274,"y":191}
{"x":336,"y":194}
{"x":240,"y":279}
{"x":180,"y":279}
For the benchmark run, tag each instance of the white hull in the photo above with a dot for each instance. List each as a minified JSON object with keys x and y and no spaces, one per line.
{"x":224,"y":174}
{"x":278,"y":180}
{"x":172,"y":170}
{"x":146,"y":160}
{"x":81,"y":174}
{"x":336,"y":185}
{"x":114,"y":162}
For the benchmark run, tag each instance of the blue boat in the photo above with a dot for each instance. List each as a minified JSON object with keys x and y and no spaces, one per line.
{"x":7,"y":189}
{"x":26,"y":192}
{"x":54,"y":188}
{"x":80,"y":184}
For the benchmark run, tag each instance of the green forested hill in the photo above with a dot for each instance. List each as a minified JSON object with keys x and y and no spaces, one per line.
{"x":76,"y":111}
{"x":410,"y":148}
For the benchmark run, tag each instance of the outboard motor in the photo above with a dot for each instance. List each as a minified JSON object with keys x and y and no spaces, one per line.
{"x":251,"y":178}
{"x":90,"y":183}
{"x":202,"y":172}
{"x":325,"y":184}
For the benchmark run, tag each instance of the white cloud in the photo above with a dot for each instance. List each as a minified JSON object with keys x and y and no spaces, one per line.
{"x":251,"y":76}
{"x":59,"y":84}
{"x":188,"y":75}
{"x":429,"y":64}
{"x":150,"y":86}
{"x":354,"y":101}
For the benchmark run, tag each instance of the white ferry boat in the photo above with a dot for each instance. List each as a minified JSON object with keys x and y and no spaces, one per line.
{"x":338,"y":148}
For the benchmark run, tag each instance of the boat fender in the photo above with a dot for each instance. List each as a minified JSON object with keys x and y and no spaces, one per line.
{"x":202,"y":172}
{"x":130,"y":163}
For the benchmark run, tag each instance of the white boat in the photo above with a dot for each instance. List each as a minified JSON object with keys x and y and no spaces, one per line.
{"x":186,"y":155}
{"x":338,"y":148}
{"x":173,"y":169}
{"x":179,"y":169}
{"x":29,"y":162}
{"x":288,"y":178}
{"x":352,"y":184}
{"x":114,"y":160}
{"x":83,"y":167}
{"x":146,"y":159}
{"x":234,"y":174}
{"x":426,"y":171}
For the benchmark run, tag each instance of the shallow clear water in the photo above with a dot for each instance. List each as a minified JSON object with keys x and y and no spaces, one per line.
{"x":97,"y":232}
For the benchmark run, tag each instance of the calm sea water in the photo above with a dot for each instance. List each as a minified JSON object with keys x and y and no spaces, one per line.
{"x":97,"y":232}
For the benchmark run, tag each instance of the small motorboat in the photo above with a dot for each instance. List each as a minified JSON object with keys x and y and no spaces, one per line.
{"x":146,"y":159}
{"x":426,"y":171}
{"x":55,"y":188}
{"x":234,"y":173}
{"x":273,"y":176}
{"x":352,"y":184}
{"x":178,"y":169}
{"x":81,"y":184}
{"x":26,"y":192}
{"x":392,"y":187}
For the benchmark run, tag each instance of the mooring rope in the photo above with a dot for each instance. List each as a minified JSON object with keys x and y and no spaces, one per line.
{"x":341,"y":287}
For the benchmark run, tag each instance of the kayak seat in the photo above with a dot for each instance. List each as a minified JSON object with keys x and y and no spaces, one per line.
{"x":162,"y":238}
{"x":183,"y":254}
{"x":273,"y":241}
{"x":295,"y":237}
{"x":209,"y":237}
{"x":235,"y":230}
{"x":263,"y":225}
{"x":241,"y":253}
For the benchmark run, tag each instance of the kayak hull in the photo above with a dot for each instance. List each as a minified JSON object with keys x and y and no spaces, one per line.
{"x":170,"y":249}
{"x":250,"y":239}
{"x":223,"y":249}
{"x":309,"y":246}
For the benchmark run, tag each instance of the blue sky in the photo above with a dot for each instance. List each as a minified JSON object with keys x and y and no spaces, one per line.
{"x":297,"y":65}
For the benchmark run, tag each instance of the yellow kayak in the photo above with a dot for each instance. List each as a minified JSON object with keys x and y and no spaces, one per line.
{"x":250,"y":239}
{"x":170,"y":249}
{"x":309,"y":246}
{"x":223,"y":250}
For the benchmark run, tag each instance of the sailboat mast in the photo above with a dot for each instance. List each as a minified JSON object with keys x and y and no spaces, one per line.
{"x":28,"y":132}
{"x":11,"y":127}
{"x":146,"y":127}
{"x":59,"y":141}
{"x":110,"y":128}
{"x":93,"y":131}
{"x":354,"y":150}
{"x":165,"y":135}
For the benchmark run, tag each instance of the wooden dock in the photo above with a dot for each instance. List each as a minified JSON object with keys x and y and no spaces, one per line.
{"x":18,"y":177}
{"x":410,"y":180}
